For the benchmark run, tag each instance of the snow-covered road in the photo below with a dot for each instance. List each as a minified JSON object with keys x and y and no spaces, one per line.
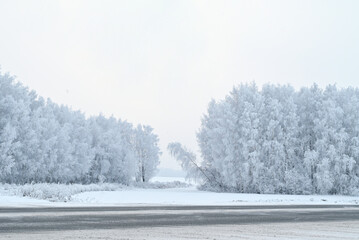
{"x":196,"y":222}
{"x":278,"y":231}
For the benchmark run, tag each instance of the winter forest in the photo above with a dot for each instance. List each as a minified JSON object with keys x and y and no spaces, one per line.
{"x":41,"y":141}
{"x":278,"y":140}
{"x":269,"y":140}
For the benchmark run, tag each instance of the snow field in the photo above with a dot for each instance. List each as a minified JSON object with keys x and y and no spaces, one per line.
{"x":162,"y":191}
{"x":192,"y":196}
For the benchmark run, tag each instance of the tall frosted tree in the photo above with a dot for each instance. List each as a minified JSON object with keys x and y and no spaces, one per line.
{"x":146,"y":151}
{"x":113,"y":155}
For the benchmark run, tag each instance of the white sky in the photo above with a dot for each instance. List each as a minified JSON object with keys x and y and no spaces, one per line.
{"x":160,"y":62}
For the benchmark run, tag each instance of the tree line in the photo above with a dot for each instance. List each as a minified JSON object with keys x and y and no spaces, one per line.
{"x":278,"y":140}
{"x":41,"y":141}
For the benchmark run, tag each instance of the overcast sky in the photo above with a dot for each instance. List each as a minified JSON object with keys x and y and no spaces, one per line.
{"x":161,"y":62}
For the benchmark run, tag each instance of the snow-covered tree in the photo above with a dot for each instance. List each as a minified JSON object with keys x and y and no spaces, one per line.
{"x":147,"y":152}
{"x":113,"y":155}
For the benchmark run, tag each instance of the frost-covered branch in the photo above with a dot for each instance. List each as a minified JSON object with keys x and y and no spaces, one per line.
{"x":188,"y":163}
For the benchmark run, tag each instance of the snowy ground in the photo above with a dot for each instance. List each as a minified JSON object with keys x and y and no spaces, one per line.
{"x":124,"y":196}
{"x":191,"y":196}
{"x":169,"y":196}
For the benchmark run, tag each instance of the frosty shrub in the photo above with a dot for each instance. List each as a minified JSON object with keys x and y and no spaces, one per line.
{"x":56,"y":192}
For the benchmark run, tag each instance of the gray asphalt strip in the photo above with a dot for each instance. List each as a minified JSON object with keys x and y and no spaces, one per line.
{"x":173,"y":207}
{"x":83,"y":218}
